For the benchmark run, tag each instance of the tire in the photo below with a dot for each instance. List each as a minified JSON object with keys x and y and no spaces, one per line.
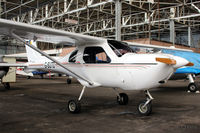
{"x":144,"y":111}
{"x":192,"y":87}
{"x":123,"y":99}
{"x":41,"y":76}
{"x":69,"y":81}
{"x":74,"y":106}
{"x":6,"y":86}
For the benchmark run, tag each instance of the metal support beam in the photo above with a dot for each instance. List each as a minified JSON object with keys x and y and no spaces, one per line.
{"x":73,"y":11}
{"x":30,"y":16}
{"x":1,"y":10}
{"x":97,"y":17}
{"x":195,"y":7}
{"x":65,"y":5}
{"x":23,"y":4}
{"x":189,"y":36}
{"x":118,"y":11}
{"x":46,"y":11}
{"x":172,"y":32}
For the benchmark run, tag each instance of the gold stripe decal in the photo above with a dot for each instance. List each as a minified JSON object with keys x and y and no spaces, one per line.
{"x":166,"y":61}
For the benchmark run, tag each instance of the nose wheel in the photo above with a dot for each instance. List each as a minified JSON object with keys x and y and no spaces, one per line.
{"x":192,"y":87}
{"x":145,"y":107}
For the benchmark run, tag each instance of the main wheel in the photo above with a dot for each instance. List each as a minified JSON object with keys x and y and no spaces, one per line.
{"x":74,"y":106}
{"x":41,"y":76}
{"x":192,"y":87}
{"x":144,"y":110}
{"x":69,"y":81}
{"x":122,"y":99}
{"x":6,"y":85}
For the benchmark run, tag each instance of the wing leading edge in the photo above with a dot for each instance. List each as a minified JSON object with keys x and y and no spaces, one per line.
{"x":45,"y":34}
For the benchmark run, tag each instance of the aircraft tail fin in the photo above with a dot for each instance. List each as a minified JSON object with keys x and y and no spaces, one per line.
{"x":32,"y":55}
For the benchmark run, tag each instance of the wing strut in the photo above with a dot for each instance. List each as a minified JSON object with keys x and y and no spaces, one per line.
{"x":46,"y":55}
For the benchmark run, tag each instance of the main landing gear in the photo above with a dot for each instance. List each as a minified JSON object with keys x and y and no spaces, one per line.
{"x":192,"y":87}
{"x":145,"y":107}
{"x":74,"y":106}
{"x":122,"y":98}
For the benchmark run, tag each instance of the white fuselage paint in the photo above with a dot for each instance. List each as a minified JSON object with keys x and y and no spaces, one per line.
{"x":129,"y":72}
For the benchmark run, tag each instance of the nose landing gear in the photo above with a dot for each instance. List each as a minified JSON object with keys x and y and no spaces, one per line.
{"x":145,"y":107}
{"x":192,"y":87}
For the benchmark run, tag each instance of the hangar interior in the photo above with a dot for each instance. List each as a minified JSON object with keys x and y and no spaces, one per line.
{"x":39,"y":105}
{"x":174,"y":21}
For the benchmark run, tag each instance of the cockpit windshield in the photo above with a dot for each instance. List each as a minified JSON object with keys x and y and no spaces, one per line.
{"x":145,"y":49}
{"x":119,"y":48}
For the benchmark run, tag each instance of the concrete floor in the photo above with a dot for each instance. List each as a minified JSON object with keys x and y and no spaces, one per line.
{"x":39,"y":106}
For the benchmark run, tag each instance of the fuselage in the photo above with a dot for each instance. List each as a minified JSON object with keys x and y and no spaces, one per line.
{"x":102,"y":65}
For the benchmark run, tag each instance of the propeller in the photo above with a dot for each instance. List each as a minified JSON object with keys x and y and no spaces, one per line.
{"x":176,"y":61}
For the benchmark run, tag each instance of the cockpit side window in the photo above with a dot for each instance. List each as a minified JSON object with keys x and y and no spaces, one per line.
{"x":73,"y":55}
{"x":95,"y":55}
{"x":120,"y":48}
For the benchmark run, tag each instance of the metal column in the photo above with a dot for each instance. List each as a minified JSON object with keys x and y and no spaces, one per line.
{"x":1,"y":10}
{"x":118,"y":11}
{"x":172,"y":32}
{"x":189,"y":36}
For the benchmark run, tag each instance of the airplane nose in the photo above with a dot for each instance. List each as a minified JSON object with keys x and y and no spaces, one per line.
{"x":180,"y":62}
{"x":175,"y":61}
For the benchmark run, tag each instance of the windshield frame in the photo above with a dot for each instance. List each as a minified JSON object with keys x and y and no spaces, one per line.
{"x":120,"y":48}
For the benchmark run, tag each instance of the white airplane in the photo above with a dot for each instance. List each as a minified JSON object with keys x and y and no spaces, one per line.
{"x":120,"y":67}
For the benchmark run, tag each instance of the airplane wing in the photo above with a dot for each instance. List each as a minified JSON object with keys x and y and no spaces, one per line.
{"x":12,"y":65}
{"x":23,"y":32}
{"x":190,"y":56}
{"x":45,"y":34}
{"x":193,"y":70}
{"x":134,"y":44}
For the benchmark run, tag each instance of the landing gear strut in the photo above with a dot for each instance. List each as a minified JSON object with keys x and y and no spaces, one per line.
{"x":192,"y":87}
{"x":74,"y":106}
{"x":122,"y":98}
{"x":145,"y":107}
